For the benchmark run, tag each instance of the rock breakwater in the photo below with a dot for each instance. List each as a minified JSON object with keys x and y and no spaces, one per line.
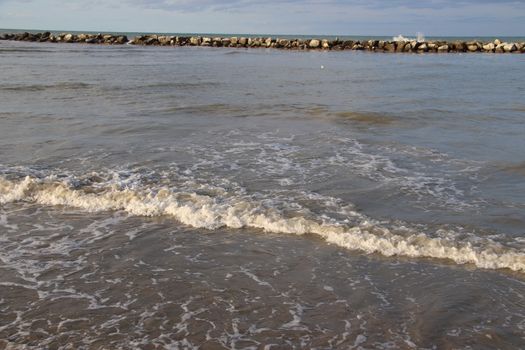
{"x":66,"y":38}
{"x":407,"y":46}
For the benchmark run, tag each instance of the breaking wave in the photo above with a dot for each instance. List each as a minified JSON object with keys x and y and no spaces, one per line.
{"x":237,"y":209}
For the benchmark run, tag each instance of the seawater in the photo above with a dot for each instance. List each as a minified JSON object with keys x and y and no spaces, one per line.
{"x":233,"y":198}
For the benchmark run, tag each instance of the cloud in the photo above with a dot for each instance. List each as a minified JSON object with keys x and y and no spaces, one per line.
{"x":243,"y":5}
{"x":309,"y":17}
{"x":250,"y":5}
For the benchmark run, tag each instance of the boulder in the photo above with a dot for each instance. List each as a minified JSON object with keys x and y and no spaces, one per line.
{"x":497,"y":42}
{"x":21,"y":36}
{"x":226,"y":42}
{"x":422,"y":47}
{"x":195,"y":40}
{"x":233,"y":41}
{"x":460,"y":46}
{"x":283,"y":43}
{"x":243,"y":41}
{"x":152,"y":40}
{"x":489,"y":47}
{"x":472,"y":48}
{"x":509,"y":47}
{"x":268,"y":42}
{"x":138,"y":40}
{"x":348,"y":44}
{"x":68,"y":38}
{"x":206,"y":41}
{"x":122,"y":39}
{"x":432,"y":46}
{"x":443,"y":48}
{"x":389,"y":46}
{"x":314,"y":44}
{"x":325,"y":44}
{"x":164,"y":40}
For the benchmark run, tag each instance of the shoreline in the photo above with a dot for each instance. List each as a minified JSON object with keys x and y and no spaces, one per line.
{"x":403,"y":46}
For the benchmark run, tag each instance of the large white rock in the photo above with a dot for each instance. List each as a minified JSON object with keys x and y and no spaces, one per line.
{"x":422,"y":47}
{"x":195,"y":40}
{"x":489,"y":47}
{"x":314,"y":44}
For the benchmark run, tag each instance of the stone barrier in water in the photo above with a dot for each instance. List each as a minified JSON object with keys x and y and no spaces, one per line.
{"x":278,"y":43}
{"x":66,"y":38}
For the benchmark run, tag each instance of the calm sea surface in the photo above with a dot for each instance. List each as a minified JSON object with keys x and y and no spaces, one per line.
{"x":158,"y":197}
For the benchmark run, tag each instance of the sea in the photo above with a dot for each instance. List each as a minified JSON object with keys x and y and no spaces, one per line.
{"x":223,"y":198}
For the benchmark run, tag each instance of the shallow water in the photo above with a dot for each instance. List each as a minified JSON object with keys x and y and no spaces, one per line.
{"x":156,"y":197}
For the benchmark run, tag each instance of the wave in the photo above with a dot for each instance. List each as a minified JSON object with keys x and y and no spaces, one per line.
{"x":420,"y":37}
{"x":237,"y":210}
{"x":518,"y":168}
{"x":43,"y":87}
{"x":24,"y":50}
{"x":367,"y":118}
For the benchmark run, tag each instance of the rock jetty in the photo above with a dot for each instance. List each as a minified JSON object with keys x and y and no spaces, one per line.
{"x":108,"y":39}
{"x":413,"y":46}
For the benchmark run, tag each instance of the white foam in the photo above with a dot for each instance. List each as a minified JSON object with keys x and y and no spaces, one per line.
{"x":400,"y":38}
{"x":237,"y":211}
{"x":420,"y":37}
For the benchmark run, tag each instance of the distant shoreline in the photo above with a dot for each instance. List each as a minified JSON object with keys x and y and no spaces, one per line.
{"x":400,"y":44}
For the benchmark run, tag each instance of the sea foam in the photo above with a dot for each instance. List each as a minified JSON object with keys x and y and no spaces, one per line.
{"x":242,"y":211}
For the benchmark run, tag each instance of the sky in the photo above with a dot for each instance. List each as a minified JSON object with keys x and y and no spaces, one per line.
{"x":308,"y":17}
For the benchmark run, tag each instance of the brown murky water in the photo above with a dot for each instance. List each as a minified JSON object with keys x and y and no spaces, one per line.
{"x":113,"y":281}
{"x":159,"y":198}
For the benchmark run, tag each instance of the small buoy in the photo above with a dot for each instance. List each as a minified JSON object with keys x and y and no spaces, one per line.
{"x":322,"y":67}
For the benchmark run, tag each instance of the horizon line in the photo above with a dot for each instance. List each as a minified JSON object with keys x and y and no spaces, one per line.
{"x":260,"y":34}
